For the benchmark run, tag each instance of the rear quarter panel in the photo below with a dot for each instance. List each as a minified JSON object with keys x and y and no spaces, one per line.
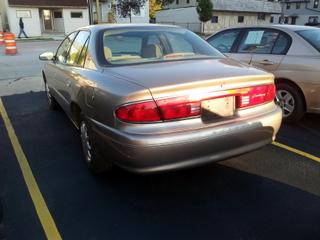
{"x":305,"y":72}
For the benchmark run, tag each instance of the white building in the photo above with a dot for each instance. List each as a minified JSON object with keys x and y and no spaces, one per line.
{"x":226,"y":13}
{"x":44,"y":16}
{"x":108,"y":13}
{"x":302,"y":12}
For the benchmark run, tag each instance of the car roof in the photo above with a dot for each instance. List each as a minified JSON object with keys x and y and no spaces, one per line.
{"x":284,"y":27}
{"x":119,"y":26}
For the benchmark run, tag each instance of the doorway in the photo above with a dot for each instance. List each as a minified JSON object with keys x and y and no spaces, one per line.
{"x":47,"y":20}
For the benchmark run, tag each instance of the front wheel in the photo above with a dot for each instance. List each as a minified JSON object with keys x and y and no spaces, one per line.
{"x":291,"y":102}
{"x":93,"y":159}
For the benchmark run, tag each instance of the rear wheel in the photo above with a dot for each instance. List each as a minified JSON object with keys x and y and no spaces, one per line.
{"x":52,"y":102}
{"x":96,"y":163}
{"x":291,"y":102}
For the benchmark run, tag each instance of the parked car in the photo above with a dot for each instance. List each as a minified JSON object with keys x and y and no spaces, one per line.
{"x":151,"y":98}
{"x":291,"y":53}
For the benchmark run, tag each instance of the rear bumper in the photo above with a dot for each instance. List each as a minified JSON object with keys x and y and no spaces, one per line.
{"x":163,"y":152}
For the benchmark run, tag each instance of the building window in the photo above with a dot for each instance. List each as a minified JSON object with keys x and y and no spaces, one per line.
{"x":286,"y":20}
{"x":288,"y":5}
{"x":57,"y":14}
{"x":177,"y":2}
{"x":271,"y":19}
{"x":298,"y":5}
{"x":316,"y":4}
{"x":314,"y":19}
{"x":261,"y":16}
{"x":214,"y":19}
{"x":240,"y":19}
{"x":188,"y":1}
{"x":76,"y":15}
{"x":23,"y":13}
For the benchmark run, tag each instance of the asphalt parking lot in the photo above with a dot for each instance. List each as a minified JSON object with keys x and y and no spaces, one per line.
{"x":272,"y":193}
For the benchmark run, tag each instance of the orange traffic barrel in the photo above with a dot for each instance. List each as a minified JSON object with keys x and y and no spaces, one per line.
{"x":1,"y":38}
{"x":10,"y":44}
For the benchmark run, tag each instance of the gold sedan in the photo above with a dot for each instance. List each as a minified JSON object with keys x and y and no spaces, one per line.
{"x":291,"y":53}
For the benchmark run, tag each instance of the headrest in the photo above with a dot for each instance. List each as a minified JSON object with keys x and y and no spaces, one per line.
{"x":107,"y":53}
{"x":151,"y":51}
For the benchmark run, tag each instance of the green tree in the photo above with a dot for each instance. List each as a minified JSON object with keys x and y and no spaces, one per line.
{"x":204,"y":9}
{"x":163,"y":3}
{"x":127,"y":7}
{"x":154,"y":6}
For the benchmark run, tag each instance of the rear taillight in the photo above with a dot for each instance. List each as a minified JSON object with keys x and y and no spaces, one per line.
{"x":255,"y":96}
{"x":186,"y":107}
{"x":139,"y":112}
{"x":181,"y":107}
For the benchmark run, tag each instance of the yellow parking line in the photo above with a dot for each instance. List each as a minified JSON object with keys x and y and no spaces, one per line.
{"x":42,"y":210}
{"x":296,"y":151}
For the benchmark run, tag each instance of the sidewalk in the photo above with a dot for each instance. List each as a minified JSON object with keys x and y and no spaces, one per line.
{"x":44,"y":37}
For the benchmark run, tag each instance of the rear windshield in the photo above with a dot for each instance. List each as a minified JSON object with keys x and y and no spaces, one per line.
{"x":311,"y":36}
{"x":134,"y":45}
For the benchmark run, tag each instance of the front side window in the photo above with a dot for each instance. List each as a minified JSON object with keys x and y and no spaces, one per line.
{"x":258,"y":41}
{"x":63,"y":50}
{"x":311,"y":36}
{"x":138,"y":45}
{"x":77,"y":47}
{"x":224,"y":41}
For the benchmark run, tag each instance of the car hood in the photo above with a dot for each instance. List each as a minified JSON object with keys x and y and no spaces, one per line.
{"x":189,"y":74}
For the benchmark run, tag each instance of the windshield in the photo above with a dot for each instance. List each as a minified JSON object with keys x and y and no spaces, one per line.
{"x":311,"y":36}
{"x":134,"y":45}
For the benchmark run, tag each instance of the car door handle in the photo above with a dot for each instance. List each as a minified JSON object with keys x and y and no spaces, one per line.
{"x":266,"y":62}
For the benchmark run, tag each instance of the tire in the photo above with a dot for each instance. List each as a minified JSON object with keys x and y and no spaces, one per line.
{"x":94,"y":160}
{"x":291,"y":102}
{"x":52,"y":102}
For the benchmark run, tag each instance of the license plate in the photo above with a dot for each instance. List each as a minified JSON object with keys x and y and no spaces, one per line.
{"x":220,"y":107}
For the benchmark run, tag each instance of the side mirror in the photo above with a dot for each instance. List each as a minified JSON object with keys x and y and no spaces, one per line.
{"x":46,"y":56}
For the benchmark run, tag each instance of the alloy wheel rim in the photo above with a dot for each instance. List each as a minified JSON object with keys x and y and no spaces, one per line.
{"x":286,"y":102}
{"x":85,"y":142}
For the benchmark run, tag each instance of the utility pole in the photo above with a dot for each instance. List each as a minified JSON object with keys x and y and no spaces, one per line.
{"x":282,"y":11}
{"x":98,"y":11}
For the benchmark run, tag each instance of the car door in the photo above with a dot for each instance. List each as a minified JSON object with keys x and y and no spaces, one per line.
{"x":74,"y":64}
{"x":266,"y":46}
{"x":62,"y":70}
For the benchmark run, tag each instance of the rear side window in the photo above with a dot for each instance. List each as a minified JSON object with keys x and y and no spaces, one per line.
{"x":224,"y":41}
{"x":311,"y":36}
{"x":261,"y":41}
{"x":63,"y":49}
{"x":83,"y":55}
{"x":282,"y":44}
{"x":76,"y":48}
